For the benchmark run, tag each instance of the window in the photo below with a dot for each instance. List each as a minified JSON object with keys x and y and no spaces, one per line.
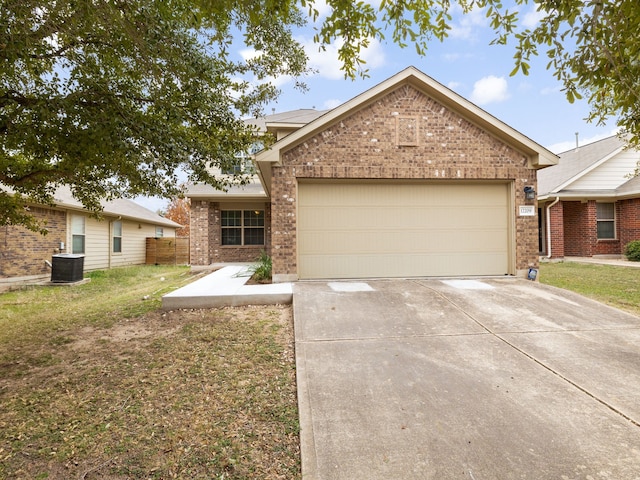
{"x":241,"y":162}
{"x":606,"y":219}
{"x":77,"y":234}
{"x":159,"y":232}
{"x":117,"y":236}
{"x":242,"y":227}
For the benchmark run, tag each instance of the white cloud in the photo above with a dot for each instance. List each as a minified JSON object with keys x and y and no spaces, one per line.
{"x":466,"y":28}
{"x":249,"y":54}
{"x":454,"y":57}
{"x":322,"y":8}
{"x":565,"y":146}
{"x":332,"y":103}
{"x":328,"y":65}
{"x":524,"y":87}
{"x":531,"y":19}
{"x":490,"y":89}
{"x":551,"y":90}
{"x":454,"y":85}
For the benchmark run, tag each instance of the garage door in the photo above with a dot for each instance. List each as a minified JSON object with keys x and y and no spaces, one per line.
{"x":361,"y":230}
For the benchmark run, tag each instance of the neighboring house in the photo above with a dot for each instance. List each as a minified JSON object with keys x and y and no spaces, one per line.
{"x":589,"y":204}
{"x":405,"y":180}
{"x":117,"y":239}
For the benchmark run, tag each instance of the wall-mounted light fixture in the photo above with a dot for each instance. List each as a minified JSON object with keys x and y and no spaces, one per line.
{"x":529,"y":193}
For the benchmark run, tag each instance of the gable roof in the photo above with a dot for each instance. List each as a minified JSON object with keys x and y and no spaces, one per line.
{"x":539,"y":156}
{"x":575,"y":164}
{"x":119,"y":207}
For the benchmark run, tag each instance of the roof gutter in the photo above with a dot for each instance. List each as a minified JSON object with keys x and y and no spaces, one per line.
{"x":548,"y":221}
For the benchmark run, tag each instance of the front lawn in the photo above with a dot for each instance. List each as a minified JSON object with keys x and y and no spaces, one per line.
{"x":613,"y":285}
{"x":97,"y":382}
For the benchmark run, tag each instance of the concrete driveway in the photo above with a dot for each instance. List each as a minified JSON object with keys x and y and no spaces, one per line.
{"x":465,"y":379}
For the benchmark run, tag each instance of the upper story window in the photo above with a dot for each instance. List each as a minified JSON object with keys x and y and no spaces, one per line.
{"x":242,"y":162}
{"x":77,"y":234}
{"x":117,"y":236}
{"x":606,"y":220}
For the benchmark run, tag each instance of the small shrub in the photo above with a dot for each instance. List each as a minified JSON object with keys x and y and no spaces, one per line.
{"x":632,"y":251}
{"x":262,"y":270}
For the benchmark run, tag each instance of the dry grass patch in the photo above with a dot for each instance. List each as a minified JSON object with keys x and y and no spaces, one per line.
{"x":181,"y":394}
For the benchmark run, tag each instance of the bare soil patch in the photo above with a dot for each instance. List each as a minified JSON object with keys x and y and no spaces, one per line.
{"x":181,"y":394}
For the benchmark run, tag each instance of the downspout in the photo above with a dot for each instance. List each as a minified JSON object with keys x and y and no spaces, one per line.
{"x":109,"y":247}
{"x":548,"y":219}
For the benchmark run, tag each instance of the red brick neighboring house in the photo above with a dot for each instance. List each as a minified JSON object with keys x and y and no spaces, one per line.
{"x":117,"y":239}
{"x":588,"y":203}
{"x":407,"y":179}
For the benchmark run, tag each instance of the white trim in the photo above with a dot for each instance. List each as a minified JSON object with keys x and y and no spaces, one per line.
{"x":582,"y":173}
{"x":538,"y":155}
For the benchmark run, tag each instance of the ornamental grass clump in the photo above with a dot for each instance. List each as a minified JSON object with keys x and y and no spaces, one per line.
{"x":262,"y":269}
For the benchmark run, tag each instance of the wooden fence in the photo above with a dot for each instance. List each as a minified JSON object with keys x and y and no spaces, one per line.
{"x":168,"y":251}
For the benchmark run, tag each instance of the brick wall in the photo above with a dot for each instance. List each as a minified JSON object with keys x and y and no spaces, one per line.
{"x":556,"y":219}
{"x":23,"y":252}
{"x":206,"y":236}
{"x":628,"y":221}
{"x":365,"y":145}
{"x":199,"y":232}
{"x":580,"y":229}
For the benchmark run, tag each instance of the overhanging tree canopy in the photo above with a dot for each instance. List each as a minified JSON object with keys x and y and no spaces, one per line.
{"x":112,"y":97}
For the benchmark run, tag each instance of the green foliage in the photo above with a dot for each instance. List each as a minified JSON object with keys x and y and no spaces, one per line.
{"x":632,"y":251}
{"x":616,"y":286}
{"x":591,"y":45}
{"x":113,"y":98}
{"x":262,"y":269}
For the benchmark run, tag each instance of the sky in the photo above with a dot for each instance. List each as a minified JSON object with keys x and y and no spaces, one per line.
{"x":467,"y":64}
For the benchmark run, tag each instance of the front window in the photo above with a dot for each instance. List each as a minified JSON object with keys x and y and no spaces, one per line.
{"x":159,"y":232}
{"x":77,"y":234}
{"x":606,"y":219}
{"x":242,"y":227}
{"x":117,"y":236}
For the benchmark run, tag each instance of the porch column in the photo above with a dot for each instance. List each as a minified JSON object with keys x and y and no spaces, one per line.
{"x":199,"y":232}
{"x":556,"y":221}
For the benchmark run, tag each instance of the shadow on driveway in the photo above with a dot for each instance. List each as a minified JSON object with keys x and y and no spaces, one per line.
{"x":453,"y":379}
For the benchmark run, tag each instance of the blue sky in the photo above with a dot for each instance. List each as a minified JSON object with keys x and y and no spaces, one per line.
{"x":466,"y":63}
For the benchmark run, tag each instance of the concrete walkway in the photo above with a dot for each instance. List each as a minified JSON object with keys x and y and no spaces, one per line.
{"x":227,"y":287}
{"x":618,"y":262}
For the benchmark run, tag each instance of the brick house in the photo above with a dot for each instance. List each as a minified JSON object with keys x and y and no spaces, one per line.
{"x":407,"y":179}
{"x":117,"y":239}
{"x":589,"y":205}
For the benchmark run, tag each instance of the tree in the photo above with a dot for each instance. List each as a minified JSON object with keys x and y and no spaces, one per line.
{"x":179,"y":210}
{"x":112,"y":97}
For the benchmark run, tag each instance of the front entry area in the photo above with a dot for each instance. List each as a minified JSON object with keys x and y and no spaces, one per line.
{"x":403,"y":229}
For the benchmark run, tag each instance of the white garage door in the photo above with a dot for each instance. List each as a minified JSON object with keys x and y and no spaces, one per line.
{"x":361,"y":230}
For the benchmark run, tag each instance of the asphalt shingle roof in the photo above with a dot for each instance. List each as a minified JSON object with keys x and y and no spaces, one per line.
{"x":574,"y":161}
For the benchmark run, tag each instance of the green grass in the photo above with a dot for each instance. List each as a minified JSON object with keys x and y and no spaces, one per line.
{"x":97,"y":382}
{"x":613,"y":285}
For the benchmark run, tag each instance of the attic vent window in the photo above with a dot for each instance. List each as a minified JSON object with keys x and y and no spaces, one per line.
{"x":407,"y":131}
